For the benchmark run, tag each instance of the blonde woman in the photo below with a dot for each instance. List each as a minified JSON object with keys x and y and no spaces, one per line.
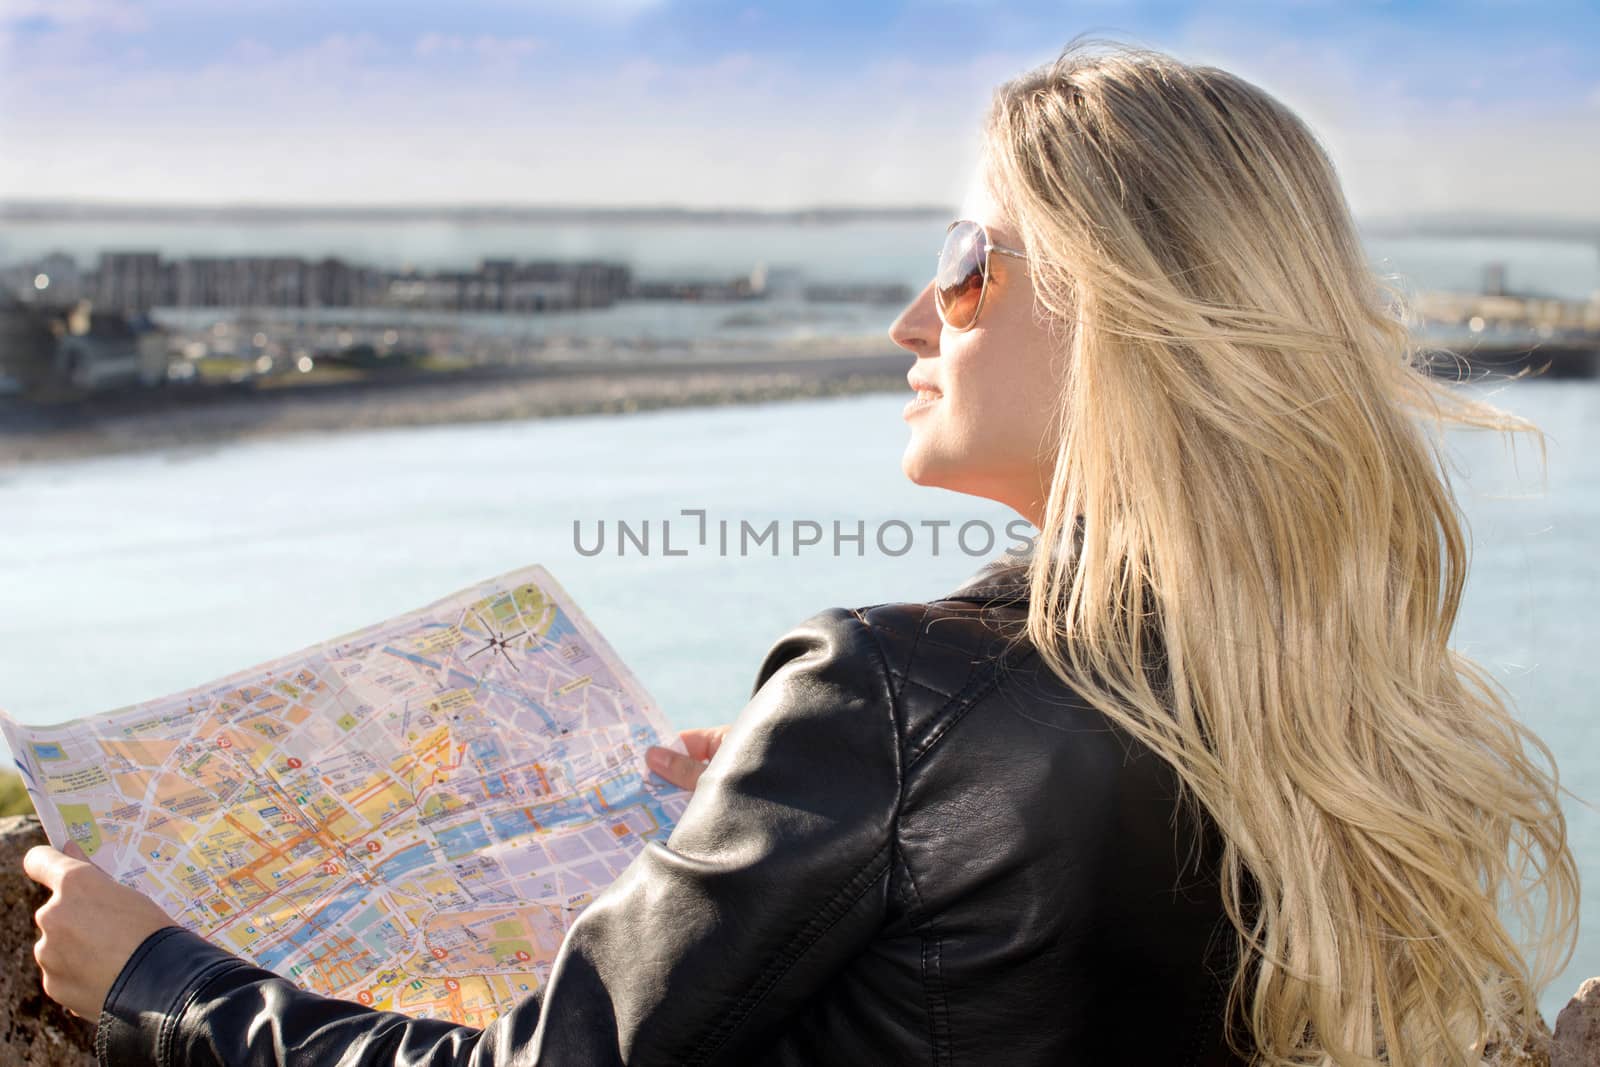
{"x":1197,"y":782}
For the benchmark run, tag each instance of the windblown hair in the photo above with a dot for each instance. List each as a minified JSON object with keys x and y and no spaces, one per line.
{"x":1247,"y":494}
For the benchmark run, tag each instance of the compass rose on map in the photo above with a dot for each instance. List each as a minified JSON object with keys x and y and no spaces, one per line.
{"x":496,"y":642}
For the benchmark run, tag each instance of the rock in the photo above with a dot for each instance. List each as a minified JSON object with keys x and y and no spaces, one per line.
{"x":35,"y":1031}
{"x":1529,"y":1050}
{"x":1577,"y":1037}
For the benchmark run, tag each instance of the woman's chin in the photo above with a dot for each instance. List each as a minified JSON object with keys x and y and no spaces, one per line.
{"x":913,"y":465}
{"x":923,"y":469}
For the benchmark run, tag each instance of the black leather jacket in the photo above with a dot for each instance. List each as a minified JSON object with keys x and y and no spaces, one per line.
{"x":915,"y":847}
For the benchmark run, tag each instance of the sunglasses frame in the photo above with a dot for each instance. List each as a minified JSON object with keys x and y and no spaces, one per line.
{"x":989,"y":247}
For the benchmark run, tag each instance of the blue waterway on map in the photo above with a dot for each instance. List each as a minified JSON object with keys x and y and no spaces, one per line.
{"x":464,"y":838}
{"x":126,"y":578}
{"x":336,"y":908}
{"x":405,"y":861}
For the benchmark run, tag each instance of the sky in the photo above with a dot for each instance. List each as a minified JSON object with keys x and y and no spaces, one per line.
{"x":1425,"y":107}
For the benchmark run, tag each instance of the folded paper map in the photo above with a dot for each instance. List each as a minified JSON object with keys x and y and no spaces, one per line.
{"x":409,"y":816}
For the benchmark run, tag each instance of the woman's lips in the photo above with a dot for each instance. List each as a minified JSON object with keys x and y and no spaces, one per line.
{"x":924,"y":400}
{"x":927,"y":394}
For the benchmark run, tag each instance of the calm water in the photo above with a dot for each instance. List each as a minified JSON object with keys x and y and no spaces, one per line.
{"x":126,"y":578}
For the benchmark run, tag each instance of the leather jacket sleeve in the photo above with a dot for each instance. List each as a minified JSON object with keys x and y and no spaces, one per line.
{"x":775,"y":877}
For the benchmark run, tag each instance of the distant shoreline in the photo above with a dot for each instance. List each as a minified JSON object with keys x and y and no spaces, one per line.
{"x":1438,"y":224}
{"x":153,"y":420}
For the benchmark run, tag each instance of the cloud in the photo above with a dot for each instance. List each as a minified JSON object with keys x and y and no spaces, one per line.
{"x":467,"y":117}
{"x":483,"y":46}
{"x":119,"y":15}
{"x":594,"y":10}
{"x":346,"y":117}
{"x":1429,"y":134}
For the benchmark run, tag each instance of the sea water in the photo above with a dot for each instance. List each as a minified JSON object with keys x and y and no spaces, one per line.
{"x":128,"y":577}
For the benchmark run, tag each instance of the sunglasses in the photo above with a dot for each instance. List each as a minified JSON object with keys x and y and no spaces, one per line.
{"x":963,"y":277}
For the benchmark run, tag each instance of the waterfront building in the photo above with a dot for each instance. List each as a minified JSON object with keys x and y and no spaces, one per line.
{"x":105,"y":350}
{"x":132,"y":281}
{"x":45,"y":346}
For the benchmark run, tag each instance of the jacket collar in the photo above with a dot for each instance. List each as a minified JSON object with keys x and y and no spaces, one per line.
{"x":1004,"y":578}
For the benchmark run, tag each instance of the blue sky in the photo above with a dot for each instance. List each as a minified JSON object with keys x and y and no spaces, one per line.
{"x":1425,"y":107}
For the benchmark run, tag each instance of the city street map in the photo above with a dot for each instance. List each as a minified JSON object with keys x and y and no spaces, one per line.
{"x":409,"y":816}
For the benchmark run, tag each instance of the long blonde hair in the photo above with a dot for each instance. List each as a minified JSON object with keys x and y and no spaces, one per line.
{"x":1245,"y":448}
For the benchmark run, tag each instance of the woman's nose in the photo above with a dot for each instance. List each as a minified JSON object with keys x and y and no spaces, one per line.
{"x":917,"y":328}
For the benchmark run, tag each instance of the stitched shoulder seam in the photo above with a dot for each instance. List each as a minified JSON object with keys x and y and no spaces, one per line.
{"x":916,"y":639}
{"x":896,"y":731}
{"x":855,"y":887}
{"x":897,"y":735}
{"x":978,"y":687}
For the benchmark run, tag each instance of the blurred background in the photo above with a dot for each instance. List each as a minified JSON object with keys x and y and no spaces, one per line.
{"x":314,"y":313}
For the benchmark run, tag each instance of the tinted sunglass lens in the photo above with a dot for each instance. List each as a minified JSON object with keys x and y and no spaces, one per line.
{"x":959,"y":284}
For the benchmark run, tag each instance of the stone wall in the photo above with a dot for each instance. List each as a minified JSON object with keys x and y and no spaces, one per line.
{"x":35,"y":1031}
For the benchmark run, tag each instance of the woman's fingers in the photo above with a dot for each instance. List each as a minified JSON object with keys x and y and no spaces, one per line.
{"x":703,"y":741}
{"x":58,"y":943}
{"x":684,"y":771}
{"x":87,"y":929}
{"x":47,"y":866}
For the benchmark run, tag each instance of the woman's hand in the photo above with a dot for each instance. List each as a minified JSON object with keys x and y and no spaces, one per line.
{"x":684,"y":771}
{"x":88,"y":928}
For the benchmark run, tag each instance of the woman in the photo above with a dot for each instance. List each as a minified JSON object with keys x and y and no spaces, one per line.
{"x":1197,"y":782}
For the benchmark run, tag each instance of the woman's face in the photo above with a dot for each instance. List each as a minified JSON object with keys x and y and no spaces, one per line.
{"x":990,"y":431}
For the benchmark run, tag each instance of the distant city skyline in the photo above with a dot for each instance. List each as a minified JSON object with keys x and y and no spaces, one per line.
{"x":1426,"y":108}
